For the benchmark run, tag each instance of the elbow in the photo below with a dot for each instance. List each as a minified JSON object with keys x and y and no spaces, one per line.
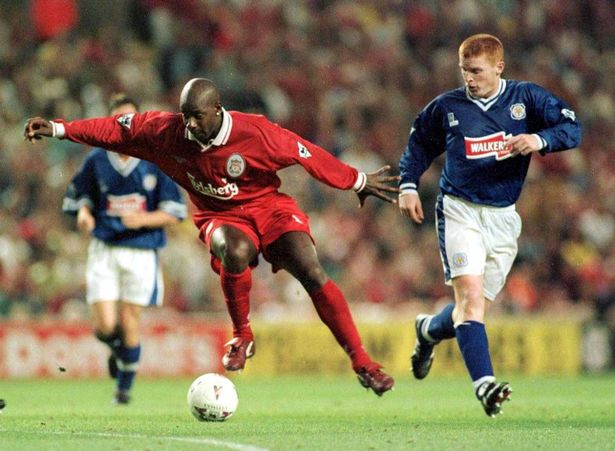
{"x":579,"y":138}
{"x":574,"y":137}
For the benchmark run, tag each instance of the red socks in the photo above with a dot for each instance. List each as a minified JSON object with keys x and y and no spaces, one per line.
{"x":329,"y":301}
{"x":333,"y":310}
{"x":236,"y":288}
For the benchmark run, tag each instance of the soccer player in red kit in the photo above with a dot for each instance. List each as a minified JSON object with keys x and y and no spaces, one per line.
{"x":227,"y":162}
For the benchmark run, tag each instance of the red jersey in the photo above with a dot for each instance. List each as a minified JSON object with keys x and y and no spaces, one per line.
{"x":237,"y":166}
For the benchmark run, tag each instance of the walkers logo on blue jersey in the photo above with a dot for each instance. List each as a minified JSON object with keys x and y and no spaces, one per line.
{"x":517,"y":111}
{"x":125,"y":120}
{"x":118,"y":205}
{"x":487,"y":146}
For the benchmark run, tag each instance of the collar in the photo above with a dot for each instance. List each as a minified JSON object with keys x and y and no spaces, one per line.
{"x":485,"y":104}
{"x":221,"y":138}
{"x":124,"y":167}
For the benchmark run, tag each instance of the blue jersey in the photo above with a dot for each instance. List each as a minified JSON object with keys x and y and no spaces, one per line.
{"x":472,"y":133}
{"x":110,"y":187}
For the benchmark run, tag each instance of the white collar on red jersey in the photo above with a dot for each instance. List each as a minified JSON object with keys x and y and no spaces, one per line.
{"x":221,"y":138}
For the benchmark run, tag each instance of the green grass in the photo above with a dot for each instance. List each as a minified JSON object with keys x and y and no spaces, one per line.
{"x":310,"y":413}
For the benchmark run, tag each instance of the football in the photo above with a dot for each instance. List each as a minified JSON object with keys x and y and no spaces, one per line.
{"x":212,"y":397}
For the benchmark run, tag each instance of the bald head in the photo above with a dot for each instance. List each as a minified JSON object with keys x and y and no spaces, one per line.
{"x":198,"y":93}
{"x":201,"y":110}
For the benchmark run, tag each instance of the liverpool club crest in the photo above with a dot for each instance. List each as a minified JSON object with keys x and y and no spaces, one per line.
{"x":235,"y":165}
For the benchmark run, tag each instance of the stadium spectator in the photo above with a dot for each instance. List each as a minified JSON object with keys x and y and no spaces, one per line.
{"x":52,"y":18}
{"x":489,"y":130}
{"x":361,"y":69}
{"x":227,"y":162}
{"x":124,"y":204}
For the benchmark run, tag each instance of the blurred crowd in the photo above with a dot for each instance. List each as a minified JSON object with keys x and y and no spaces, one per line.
{"x":348,"y":75}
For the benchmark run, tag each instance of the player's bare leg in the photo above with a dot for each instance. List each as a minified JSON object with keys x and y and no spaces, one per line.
{"x":295,"y":252}
{"x":130,"y":320}
{"x":104,"y":317}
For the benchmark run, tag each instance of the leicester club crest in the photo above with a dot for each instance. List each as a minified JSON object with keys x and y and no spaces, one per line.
{"x":149,"y":182}
{"x":517,"y":111}
{"x":235,"y":165}
{"x":460,"y":260}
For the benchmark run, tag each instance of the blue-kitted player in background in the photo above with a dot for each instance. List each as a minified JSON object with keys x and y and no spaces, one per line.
{"x":489,"y":130}
{"x":124,"y":203}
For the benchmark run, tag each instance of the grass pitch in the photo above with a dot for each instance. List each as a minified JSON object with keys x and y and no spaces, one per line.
{"x":311,"y":413}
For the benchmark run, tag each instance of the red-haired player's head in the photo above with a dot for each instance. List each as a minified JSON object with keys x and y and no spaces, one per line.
{"x":481,"y":60}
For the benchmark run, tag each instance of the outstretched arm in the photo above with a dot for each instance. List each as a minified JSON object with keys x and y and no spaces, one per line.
{"x":130,"y":133}
{"x":376,"y":185}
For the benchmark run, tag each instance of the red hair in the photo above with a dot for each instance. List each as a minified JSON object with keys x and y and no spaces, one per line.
{"x":482,"y":44}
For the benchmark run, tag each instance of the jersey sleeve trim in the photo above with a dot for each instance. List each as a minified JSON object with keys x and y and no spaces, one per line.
{"x":177,"y":209}
{"x":408,"y":187}
{"x":360,"y":183}
{"x":540,"y":140}
{"x":72,"y":206}
{"x":58,"y":130}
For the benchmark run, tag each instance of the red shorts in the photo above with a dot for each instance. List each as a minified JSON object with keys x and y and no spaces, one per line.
{"x":263,"y":221}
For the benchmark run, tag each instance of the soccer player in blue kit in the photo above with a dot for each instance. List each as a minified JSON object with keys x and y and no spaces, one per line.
{"x":489,"y":130}
{"x":124,"y":203}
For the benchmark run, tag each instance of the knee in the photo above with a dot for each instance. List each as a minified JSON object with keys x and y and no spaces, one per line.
{"x":106,"y":334}
{"x":105,"y":328}
{"x":236,"y":256}
{"x":313,"y":277}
